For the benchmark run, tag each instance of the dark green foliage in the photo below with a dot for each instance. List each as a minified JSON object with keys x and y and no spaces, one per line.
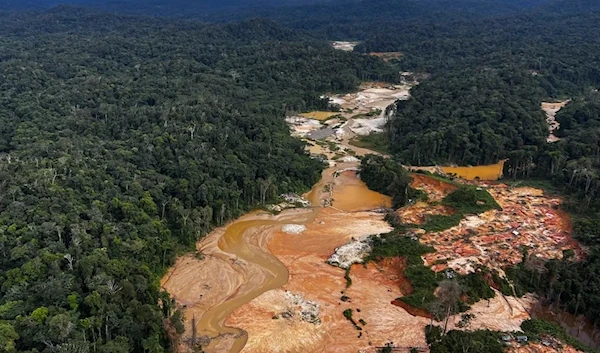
{"x":375,"y":141}
{"x":462,"y":117}
{"x":480,"y":341}
{"x":534,"y":328}
{"x":423,"y":280}
{"x":124,"y":140}
{"x":503,"y":284}
{"x":388,"y":177}
{"x":572,"y":165}
{"x":470,"y":200}
{"x":347,"y":278}
{"x":348,"y":315}
{"x":438,"y":223}
{"x":475,"y":287}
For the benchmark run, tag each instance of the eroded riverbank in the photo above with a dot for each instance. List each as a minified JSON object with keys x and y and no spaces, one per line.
{"x":262,"y":289}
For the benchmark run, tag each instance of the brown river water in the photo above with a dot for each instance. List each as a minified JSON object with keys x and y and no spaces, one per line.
{"x":482,"y":172}
{"x":233,"y":242}
{"x":576,"y":326}
{"x":351,"y":195}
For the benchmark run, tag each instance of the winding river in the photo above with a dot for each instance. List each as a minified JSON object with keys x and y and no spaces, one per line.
{"x":233,"y":243}
{"x":242,"y":246}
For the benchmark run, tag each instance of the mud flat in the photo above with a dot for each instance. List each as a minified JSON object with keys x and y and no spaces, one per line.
{"x":237,"y":267}
{"x":370,"y":295}
{"x":264,"y":284}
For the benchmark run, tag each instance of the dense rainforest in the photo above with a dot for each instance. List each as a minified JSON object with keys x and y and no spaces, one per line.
{"x":122,"y":141}
{"x":482,"y":84}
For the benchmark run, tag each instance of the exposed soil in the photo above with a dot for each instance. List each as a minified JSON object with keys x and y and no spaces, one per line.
{"x":345,"y":46}
{"x":419,"y":212}
{"x":387,"y":56}
{"x":372,"y":287}
{"x":551,"y":110}
{"x":413,"y":311}
{"x":500,"y":313}
{"x":435,"y":189}
{"x":494,"y":239}
{"x":239,"y":293}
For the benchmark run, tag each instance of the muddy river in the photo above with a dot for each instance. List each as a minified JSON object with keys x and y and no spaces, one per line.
{"x":576,"y":326}
{"x":250,"y":265}
{"x":232,"y":242}
{"x":353,"y":195}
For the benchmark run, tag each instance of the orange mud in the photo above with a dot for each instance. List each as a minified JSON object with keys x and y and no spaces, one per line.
{"x":413,"y":311}
{"x":435,"y":189}
{"x":482,"y":172}
{"x":351,"y":194}
{"x":418,"y":212}
{"x":373,"y":289}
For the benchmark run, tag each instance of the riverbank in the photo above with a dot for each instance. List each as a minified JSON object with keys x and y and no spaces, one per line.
{"x":264,"y":284}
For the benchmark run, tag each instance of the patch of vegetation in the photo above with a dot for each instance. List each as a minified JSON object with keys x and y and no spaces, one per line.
{"x":502,"y":284}
{"x":438,"y":223}
{"x":372,"y":113}
{"x":388,"y":177}
{"x":475,"y":287}
{"x":333,"y":147}
{"x":535,"y":328}
{"x":337,"y":116}
{"x":347,"y":278}
{"x":480,"y":341}
{"x":348,"y":315}
{"x":469,"y":199}
{"x":423,"y":280}
{"x":376,"y":141}
{"x":450,"y":179}
{"x":465,"y":200}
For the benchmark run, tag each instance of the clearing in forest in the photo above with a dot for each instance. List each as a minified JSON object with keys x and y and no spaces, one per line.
{"x":319,"y":115}
{"x":551,"y":109}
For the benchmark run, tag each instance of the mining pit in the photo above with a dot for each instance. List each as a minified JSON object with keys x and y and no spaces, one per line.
{"x":277,"y":283}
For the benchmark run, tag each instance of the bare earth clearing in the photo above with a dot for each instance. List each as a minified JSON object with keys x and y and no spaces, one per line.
{"x":345,"y":46}
{"x":551,"y":109}
{"x":264,"y":284}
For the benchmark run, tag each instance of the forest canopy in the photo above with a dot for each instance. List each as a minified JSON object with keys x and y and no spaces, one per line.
{"x":122,"y":141}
